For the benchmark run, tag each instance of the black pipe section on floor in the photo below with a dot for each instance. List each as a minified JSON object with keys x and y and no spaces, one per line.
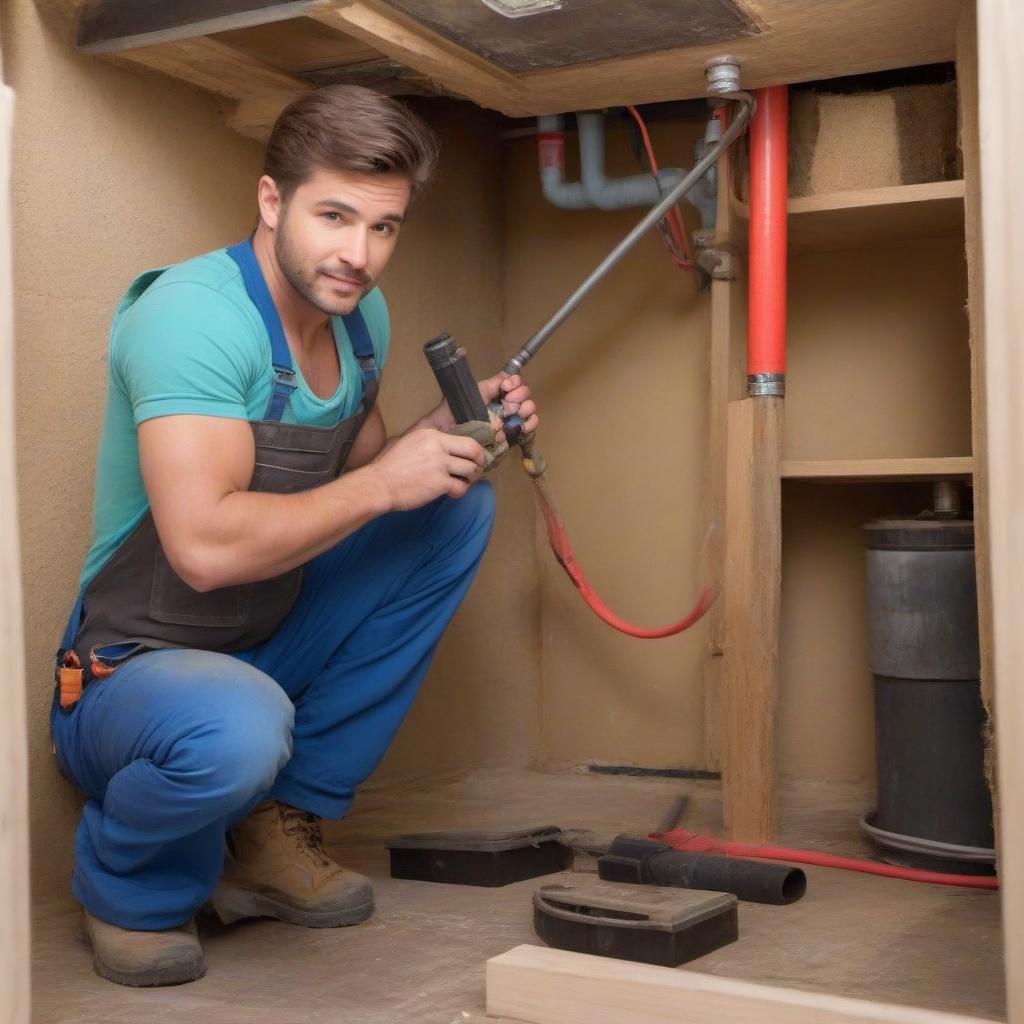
{"x":632,"y":859}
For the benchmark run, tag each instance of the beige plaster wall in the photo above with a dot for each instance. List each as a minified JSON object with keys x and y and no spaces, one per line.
{"x":878,"y":367}
{"x":879,"y":364}
{"x":117,"y":170}
{"x":623,"y":387}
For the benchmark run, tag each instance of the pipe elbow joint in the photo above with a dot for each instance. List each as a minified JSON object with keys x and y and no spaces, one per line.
{"x":563,"y":194}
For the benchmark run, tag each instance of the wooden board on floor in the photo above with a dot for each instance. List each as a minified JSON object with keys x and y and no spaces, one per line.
{"x":753,"y":599}
{"x":1001,"y":125}
{"x":551,"y":986}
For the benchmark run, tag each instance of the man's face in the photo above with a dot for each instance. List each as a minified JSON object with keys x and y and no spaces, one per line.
{"x":336,"y":233}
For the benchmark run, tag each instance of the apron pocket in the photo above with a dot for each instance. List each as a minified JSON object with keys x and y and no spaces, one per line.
{"x":172,"y":600}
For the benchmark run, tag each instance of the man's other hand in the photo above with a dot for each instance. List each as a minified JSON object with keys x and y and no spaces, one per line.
{"x":515,"y":400}
{"x":427,"y":464}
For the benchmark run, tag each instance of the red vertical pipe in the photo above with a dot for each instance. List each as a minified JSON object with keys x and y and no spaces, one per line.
{"x":766,"y":331}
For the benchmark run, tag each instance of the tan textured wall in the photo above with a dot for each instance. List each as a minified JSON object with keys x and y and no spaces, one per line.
{"x":116,"y":171}
{"x":479,"y":705}
{"x":826,"y":704}
{"x":624,"y":391}
{"x":879,"y":362}
{"x":878,"y":366}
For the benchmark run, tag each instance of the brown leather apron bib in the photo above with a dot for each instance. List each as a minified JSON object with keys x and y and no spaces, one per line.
{"x":138,"y":598}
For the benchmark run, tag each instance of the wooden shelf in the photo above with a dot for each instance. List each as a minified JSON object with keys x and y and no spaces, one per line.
{"x":854,"y":220}
{"x":834,"y":221}
{"x":877,"y":469}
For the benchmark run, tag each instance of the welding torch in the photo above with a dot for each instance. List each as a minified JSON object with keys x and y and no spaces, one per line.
{"x":448,"y":361}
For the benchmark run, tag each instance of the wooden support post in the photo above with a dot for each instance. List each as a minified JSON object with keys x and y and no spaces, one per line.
{"x":1001,"y":122}
{"x":725,"y":381}
{"x":967,"y":95}
{"x":753,"y":597}
{"x":14,"y":879}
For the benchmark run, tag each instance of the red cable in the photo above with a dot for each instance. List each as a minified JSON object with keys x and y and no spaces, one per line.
{"x":562,"y":549}
{"x":694,"y":842}
{"x":672,"y":218}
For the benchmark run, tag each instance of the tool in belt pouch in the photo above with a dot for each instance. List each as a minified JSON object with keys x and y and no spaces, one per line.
{"x":137,"y":597}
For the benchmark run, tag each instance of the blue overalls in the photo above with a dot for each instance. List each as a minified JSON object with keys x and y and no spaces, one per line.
{"x":182,"y":740}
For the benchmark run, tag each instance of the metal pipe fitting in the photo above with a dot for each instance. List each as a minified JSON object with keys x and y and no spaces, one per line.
{"x":946,"y":499}
{"x":736,"y":128}
{"x":759,"y":384}
{"x":723,"y":74}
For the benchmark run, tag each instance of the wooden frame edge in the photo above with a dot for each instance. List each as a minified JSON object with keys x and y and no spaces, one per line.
{"x":551,"y":986}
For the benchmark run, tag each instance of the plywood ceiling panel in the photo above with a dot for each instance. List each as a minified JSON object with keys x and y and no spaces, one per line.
{"x":580,"y":31}
{"x":775,"y":41}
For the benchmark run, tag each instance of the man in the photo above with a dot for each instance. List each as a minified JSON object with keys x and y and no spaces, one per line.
{"x":252,"y":625}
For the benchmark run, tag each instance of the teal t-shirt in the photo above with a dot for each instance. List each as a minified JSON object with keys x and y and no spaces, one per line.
{"x":194,"y":343}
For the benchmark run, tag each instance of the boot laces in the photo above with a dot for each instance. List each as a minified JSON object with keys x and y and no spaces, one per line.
{"x":306,"y":828}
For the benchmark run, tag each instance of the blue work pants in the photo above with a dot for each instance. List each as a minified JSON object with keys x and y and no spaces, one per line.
{"x":177,"y":745}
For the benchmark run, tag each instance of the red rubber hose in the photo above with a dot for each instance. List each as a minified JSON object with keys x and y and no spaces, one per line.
{"x":559,"y":540}
{"x":694,"y":842}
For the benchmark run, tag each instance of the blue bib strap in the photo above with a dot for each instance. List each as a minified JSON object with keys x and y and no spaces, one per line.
{"x":284,"y":374}
{"x":362,"y":345}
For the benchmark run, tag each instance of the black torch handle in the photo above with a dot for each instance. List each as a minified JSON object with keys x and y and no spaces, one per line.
{"x":459,"y":387}
{"x":633,"y":859}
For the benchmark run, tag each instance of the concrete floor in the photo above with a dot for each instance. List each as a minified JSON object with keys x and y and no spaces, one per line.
{"x":422,"y":957}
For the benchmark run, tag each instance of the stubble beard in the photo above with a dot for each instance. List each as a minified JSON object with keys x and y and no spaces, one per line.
{"x":301,"y":279}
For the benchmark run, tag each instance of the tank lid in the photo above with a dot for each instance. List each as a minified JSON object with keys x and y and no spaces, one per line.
{"x":919,"y":534}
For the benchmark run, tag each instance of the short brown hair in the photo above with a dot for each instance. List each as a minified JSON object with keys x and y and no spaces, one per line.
{"x":348,"y":128}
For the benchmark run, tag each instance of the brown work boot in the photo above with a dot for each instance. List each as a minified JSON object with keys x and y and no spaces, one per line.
{"x":169,"y":956}
{"x":277,"y":867}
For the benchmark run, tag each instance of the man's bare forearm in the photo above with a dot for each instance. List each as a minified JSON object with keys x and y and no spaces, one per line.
{"x":253,"y":535}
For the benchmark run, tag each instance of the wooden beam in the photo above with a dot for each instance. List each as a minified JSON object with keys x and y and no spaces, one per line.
{"x":14,"y":870}
{"x":216,"y":67}
{"x":753,"y":598}
{"x":728,"y":321}
{"x":106,"y":26}
{"x":254,"y":117}
{"x":452,"y":68}
{"x":801,"y":41}
{"x":551,"y":986}
{"x":1001,"y":125}
{"x":967,"y":96}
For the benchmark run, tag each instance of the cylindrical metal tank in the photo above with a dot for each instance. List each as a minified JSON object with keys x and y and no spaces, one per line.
{"x":934,"y":808}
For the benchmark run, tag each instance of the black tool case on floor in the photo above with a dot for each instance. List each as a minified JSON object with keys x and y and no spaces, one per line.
{"x":480,"y":858}
{"x":650,"y":924}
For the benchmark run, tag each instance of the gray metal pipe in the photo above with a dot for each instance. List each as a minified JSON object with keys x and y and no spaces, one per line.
{"x":557,"y":191}
{"x":617,"y":193}
{"x":729,"y":136}
{"x":595,"y":190}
